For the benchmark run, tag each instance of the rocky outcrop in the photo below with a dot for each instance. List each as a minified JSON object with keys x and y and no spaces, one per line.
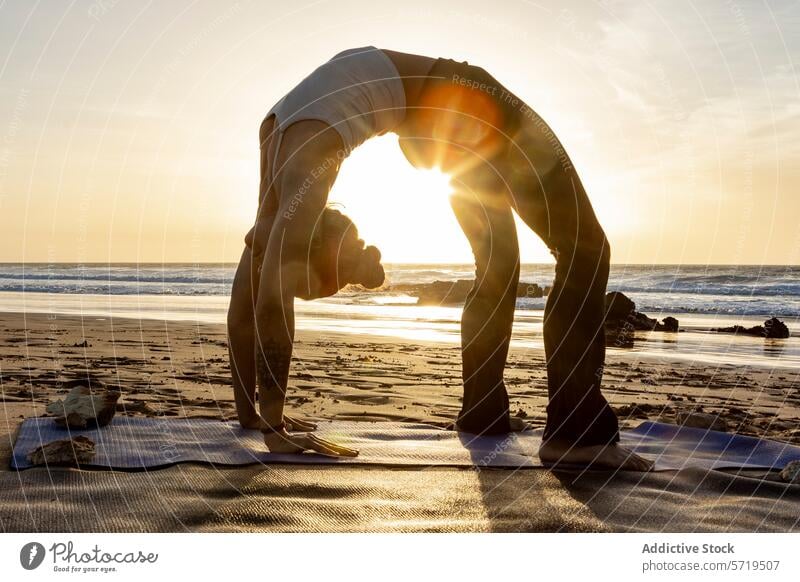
{"x":618,"y":306}
{"x":455,"y":292}
{"x":773,"y":328}
{"x":73,"y":452}
{"x":89,"y":404}
{"x":622,"y":320}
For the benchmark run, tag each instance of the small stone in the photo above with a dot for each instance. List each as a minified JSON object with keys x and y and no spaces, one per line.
{"x":89,"y":404}
{"x":791,"y":472}
{"x":71,"y":452}
{"x":702,"y":420}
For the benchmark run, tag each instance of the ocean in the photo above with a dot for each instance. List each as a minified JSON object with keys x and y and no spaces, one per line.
{"x":701,"y":297}
{"x":724,"y":290}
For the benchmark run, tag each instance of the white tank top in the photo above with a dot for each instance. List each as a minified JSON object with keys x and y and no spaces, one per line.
{"x":358,"y":92}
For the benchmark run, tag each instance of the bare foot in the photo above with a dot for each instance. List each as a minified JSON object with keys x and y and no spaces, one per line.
{"x":612,"y":456}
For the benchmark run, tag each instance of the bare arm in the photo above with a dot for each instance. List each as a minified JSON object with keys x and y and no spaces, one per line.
{"x":284,"y":270}
{"x":273,"y":352}
{"x":241,"y":313}
{"x":281,"y":270}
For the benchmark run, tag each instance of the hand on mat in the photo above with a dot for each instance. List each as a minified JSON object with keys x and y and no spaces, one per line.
{"x":284,"y":442}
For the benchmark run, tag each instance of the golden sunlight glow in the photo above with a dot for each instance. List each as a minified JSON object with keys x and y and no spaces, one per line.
{"x":403,"y":211}
{"x":618,"y":214}
{"x":148,"y":150}
{"x":406,"y":212}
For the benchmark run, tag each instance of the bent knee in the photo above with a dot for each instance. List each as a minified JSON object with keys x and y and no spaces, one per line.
{"x":590,"y":258}
{"x":591,"y":242}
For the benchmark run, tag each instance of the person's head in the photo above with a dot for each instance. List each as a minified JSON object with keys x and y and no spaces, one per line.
{"x":451,"y":126}
{"x":337,"y":257}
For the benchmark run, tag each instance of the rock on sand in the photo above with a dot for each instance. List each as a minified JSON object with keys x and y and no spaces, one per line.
{"x":791,"y":472}
{"x":88,"y":404}
{"x":72,"y":452}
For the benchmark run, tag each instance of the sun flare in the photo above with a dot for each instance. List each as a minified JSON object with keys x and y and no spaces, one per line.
{"x":406,"y":212}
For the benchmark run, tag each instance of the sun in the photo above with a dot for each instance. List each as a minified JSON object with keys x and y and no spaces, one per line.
{"x":406,"y":212}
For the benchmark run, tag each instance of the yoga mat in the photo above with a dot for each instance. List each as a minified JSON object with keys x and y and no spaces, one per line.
{"x":148,"y":443}
{"x":363,"y":498}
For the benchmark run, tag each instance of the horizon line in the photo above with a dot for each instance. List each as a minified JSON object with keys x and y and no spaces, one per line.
{"x":399,"y":264}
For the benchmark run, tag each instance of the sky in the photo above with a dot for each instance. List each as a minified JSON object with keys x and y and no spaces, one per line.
{"x":129,"y":129}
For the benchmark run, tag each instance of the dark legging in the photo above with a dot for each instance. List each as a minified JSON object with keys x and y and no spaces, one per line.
{"x":535,"y":179}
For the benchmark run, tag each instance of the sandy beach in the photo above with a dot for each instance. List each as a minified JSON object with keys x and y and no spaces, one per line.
{"x":180,"y":369}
